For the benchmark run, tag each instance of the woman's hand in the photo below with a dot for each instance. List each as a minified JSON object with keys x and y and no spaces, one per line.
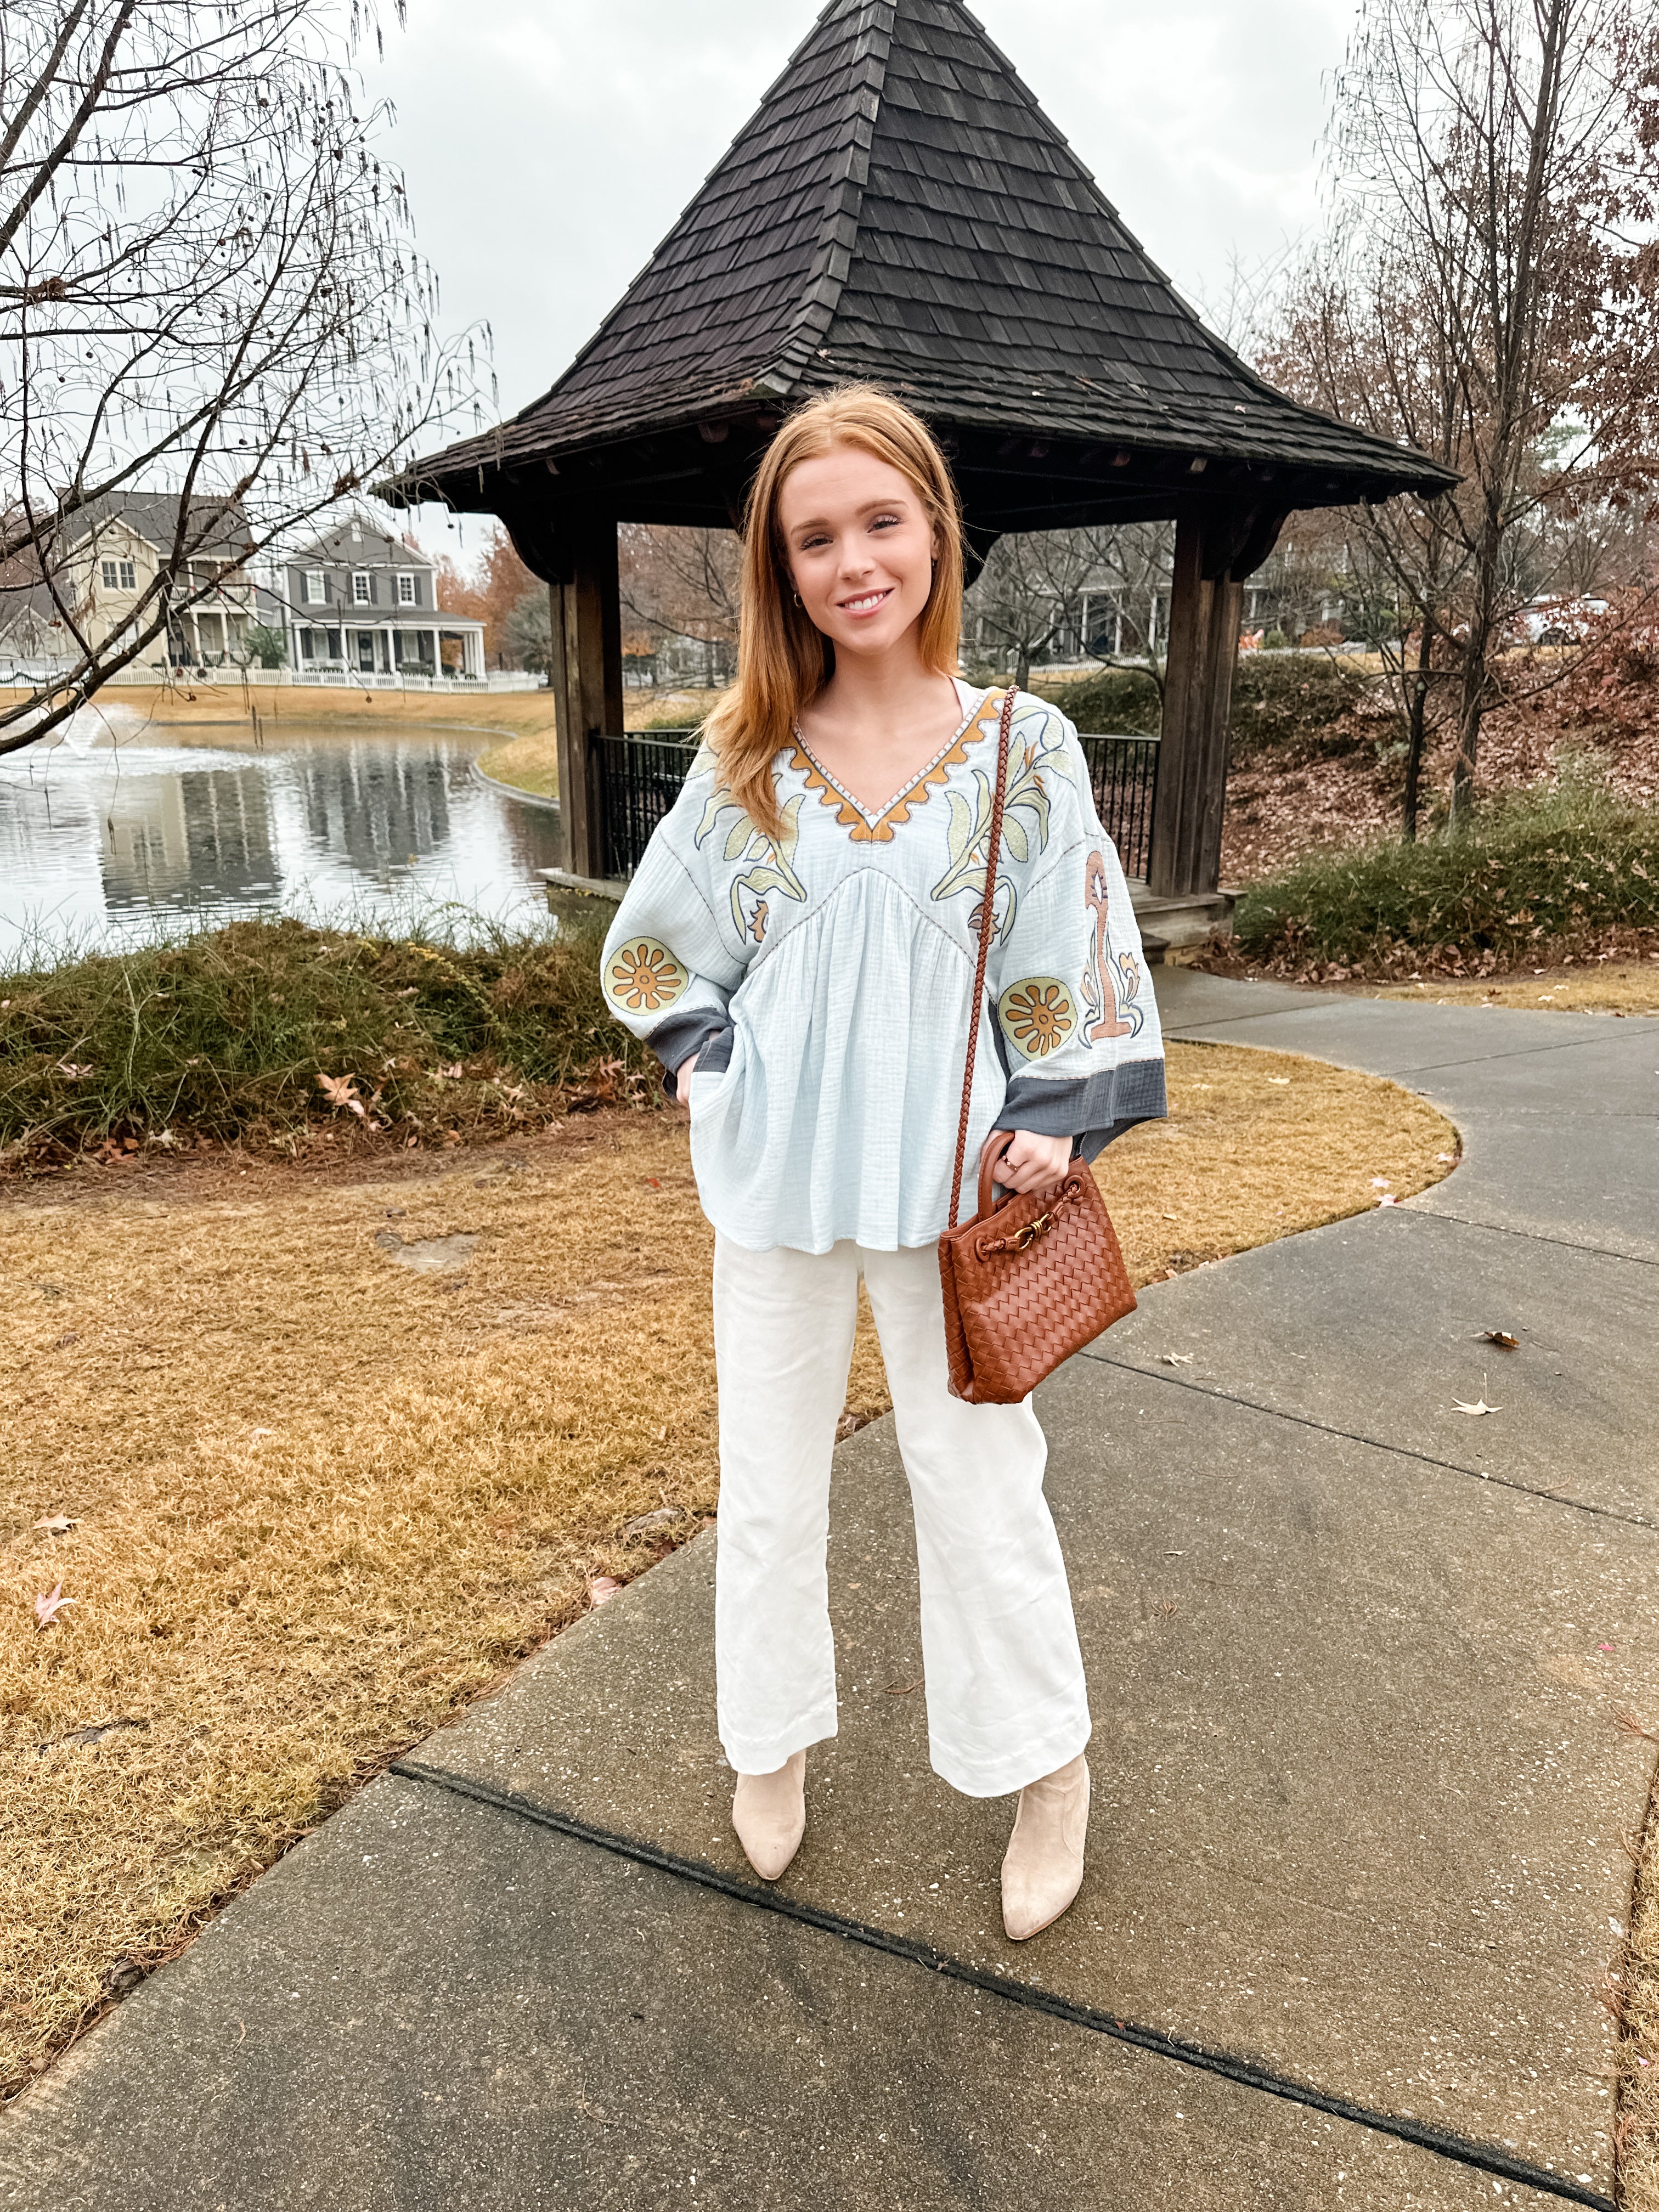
{"x":1034,"y":1161}
{"x":682,"y":1078}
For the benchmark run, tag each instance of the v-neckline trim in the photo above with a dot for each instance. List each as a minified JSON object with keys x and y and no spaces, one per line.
{"x":879,"y":827}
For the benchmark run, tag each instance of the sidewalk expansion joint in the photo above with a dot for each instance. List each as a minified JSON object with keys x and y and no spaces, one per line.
{"x":1244,"y":2072}
{"x":1376,"y":1444}
{"x":1414,"y":1206}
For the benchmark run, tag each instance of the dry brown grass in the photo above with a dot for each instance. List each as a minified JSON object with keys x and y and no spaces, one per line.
{"x":209,"y":706}
{"x":531,"y":761}
{"x":1612,"y":986}
{"x":319,"y":1500}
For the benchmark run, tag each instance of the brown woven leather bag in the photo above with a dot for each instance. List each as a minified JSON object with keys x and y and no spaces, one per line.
{"x":1030,"y":1280}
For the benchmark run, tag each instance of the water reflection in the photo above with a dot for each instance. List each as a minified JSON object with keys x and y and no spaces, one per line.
{"x":204,"y":836}
{"x":100,"y":840}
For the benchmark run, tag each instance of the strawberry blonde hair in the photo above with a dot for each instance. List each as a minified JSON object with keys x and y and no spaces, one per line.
{"x":783,"y":660}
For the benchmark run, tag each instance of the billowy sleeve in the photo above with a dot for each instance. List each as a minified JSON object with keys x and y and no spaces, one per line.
{"x":669,"y":967}
{"x":1073,"y":1004}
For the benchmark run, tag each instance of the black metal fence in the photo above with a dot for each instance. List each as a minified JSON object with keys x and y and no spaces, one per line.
{"x":639,"y":781}
{"x":1124,"y":773}
{"x":640,"y":778}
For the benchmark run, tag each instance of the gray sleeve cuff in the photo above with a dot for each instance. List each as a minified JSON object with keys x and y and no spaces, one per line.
{"x":708,"y":1032}
{"x":1090,"y":1109}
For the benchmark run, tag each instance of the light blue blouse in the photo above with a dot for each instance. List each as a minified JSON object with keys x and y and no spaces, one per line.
{"x":823,"y":980}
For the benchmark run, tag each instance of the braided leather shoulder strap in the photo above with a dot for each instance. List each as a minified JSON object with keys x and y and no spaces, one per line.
{"x":987,"y":923}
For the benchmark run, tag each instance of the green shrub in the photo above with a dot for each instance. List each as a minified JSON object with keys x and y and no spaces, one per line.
{"x":1534,"y":870}
{"x":226,"y":1034}
{"x":1118,"y":701}
{"x":1296,"y":707}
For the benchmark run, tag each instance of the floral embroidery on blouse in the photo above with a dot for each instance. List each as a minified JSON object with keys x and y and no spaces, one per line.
{"x":1037,"y":1016}
{"x":772,"y":868}
{"x":1030,"y":760}
{"x":1133,"y":1012}
{"x":1097,"y":997}
{"x":974,"y":725}
{"x":644,"y":977}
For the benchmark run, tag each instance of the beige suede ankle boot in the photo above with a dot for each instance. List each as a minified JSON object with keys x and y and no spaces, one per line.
{"x":768,"y":1812}
{"x":1042,"y":1871}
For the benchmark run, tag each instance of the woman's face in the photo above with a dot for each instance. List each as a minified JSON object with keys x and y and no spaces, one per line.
{"x":859,"y":547}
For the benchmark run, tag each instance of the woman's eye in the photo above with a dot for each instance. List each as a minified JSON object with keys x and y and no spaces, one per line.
{"x":885,"y":522}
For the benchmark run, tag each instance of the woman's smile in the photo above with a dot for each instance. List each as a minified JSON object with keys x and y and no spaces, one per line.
{"x":866,"y":603}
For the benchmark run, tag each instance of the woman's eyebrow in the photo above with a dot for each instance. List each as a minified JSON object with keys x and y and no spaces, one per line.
{"x":868,"y":507}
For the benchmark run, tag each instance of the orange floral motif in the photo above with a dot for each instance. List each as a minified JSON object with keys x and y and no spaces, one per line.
{"x":1037,"y":1016}
{"x":644,"y":977}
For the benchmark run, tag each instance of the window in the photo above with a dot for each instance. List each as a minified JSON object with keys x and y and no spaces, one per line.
{"x":109,"y":576}
{"x":315,"y":591}
{"x":407,"y":594}
{"x":128,"y":576}
{"x":363,"y":589}
{"x":119,"y":575}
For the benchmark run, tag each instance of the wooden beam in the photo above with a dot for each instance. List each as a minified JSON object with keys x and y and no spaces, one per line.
{"x":585,"y":674}
{"x":1204,"y":608}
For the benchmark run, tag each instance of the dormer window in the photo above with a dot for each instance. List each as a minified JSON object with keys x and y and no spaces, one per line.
{"x":315,"y":589}
{"x":407,"y":594}
{"x":363,"y":589}
{"x":120,"y":575}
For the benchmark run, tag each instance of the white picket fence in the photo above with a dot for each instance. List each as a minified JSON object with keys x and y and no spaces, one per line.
{"x":18,"y":673}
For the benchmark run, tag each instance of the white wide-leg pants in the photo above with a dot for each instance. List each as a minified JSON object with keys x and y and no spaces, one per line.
{"x":1005,"y":1698}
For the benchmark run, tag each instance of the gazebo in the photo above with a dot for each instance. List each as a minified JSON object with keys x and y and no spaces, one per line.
{"x":900,"y":209}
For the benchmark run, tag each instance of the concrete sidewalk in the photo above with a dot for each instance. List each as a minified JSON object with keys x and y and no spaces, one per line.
{"x":1356,"y":1660}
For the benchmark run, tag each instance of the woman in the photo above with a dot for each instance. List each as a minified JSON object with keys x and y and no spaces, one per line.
{"x":799,"y":947}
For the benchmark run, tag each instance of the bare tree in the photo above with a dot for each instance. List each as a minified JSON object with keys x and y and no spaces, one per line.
{"x":208,"y":285}
{"x":683,"y":583}
{"x":1490,"y":292}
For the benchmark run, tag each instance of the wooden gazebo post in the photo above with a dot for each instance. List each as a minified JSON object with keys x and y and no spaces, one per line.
{"x":585,"y":676}
{"x":1072,"y":385}
{"x":1205,"y":604}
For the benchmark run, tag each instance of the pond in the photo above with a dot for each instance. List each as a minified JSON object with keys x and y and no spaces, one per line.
{"x":106,"y":836}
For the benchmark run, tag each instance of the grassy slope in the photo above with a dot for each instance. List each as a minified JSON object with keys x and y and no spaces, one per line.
{"x":226,"y":1034}
{"x":1537,"y":873}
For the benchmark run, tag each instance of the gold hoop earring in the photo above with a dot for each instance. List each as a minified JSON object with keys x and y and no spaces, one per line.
{"x":800,"y":602}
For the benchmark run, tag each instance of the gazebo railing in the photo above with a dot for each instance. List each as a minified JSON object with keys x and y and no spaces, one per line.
{"x":640,"y":778}
{"x":1123,"y":771}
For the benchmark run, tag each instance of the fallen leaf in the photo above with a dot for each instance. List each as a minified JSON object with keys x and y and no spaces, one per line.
{"x":342,"y":1091}
{"x":903,"y":1689}
{"x":49,"y":1605}
{"x":1177,"y":1359}
{"x":1381,"y":1182}
{"x":663,"y":1516}
{"x":57,"y":1524}
{"x":1447,"y":1159}
{"x":1478,"y":1407}
{"x":603,"y":1589}
{"x":1388,"y":1199}
{"x":1498,"y":1336}
{"x":80,"y":1739}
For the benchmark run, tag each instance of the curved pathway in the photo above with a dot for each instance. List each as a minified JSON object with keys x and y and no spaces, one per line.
{"x":1356,"y":1661}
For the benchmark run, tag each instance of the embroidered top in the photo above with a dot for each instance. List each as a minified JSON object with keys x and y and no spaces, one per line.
{"x":823,"y":980}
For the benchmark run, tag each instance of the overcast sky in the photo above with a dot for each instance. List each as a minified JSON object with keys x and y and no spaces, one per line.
{"x":549,"y":144}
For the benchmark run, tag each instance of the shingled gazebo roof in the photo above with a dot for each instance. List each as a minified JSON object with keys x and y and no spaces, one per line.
{"x":899,"y":208}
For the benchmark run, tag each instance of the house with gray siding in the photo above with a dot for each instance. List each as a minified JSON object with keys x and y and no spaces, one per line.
{"x":362,"y":602}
